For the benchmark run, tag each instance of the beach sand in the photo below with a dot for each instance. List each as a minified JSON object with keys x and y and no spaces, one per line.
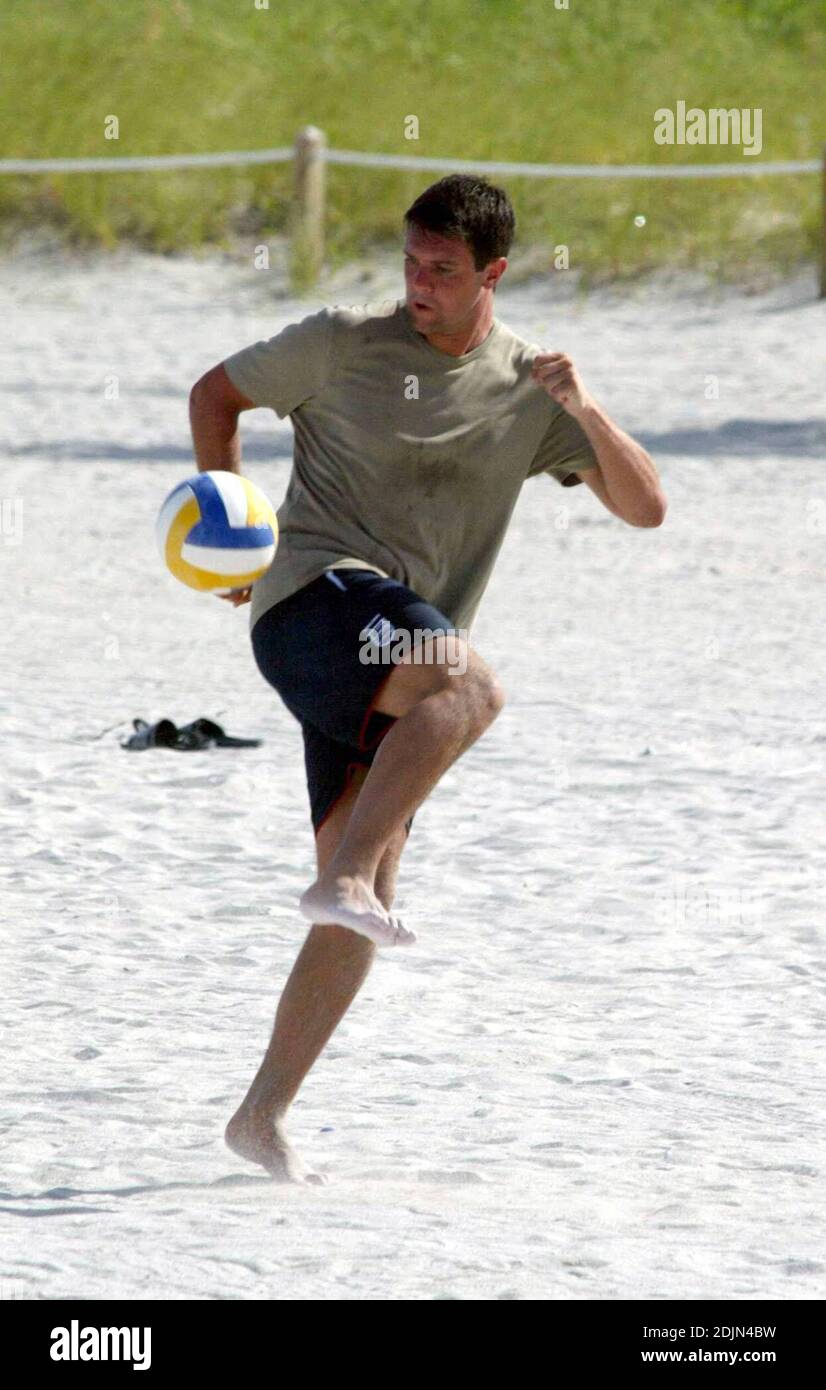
{"x":603,"y":1080}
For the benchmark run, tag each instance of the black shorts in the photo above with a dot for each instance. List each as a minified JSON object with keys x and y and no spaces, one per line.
{"x":308,"y":648}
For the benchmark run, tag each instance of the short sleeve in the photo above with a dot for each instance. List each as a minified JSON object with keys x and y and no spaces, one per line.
{"x":563,"y":448}
{"x":284,"y":371}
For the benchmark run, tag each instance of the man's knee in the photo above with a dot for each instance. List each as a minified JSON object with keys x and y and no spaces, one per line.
{"x":463,"y":673}
{"x":493,"y":695}
{"x":483,"y":692}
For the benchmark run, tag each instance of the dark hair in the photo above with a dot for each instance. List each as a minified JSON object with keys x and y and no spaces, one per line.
{"x":465,"y":206}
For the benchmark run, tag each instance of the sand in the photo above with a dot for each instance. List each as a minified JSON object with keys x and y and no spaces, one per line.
{"x":603,"y":1079}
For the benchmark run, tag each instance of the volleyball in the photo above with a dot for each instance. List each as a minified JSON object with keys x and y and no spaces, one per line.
{"x":217,"y":532}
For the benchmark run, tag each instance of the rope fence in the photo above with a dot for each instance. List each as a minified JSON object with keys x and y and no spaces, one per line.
{"x":310,"y":155}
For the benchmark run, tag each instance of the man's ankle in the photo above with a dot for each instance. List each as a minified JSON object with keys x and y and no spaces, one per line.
{"x":347,"y":864}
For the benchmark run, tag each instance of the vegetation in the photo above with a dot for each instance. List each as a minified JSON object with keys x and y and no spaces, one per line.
{"x":487,"y":79}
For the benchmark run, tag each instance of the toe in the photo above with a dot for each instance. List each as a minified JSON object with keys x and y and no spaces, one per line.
{"x":403,"y":934}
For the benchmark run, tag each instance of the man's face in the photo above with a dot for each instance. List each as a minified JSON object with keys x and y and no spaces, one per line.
{"x":443,"y":286}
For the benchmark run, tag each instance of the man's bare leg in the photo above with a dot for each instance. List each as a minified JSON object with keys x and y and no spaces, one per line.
{"x":438,"y":716}
{"x":331,"y":968}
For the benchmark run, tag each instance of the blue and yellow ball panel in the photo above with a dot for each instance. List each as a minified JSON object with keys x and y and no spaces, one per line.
{"x":217,"y":531}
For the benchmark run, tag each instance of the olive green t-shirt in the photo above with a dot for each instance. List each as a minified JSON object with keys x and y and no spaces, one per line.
{"x":406,"y":460}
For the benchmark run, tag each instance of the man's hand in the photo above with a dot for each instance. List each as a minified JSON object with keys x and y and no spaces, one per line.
{"x":236,"y":596}
{"x":557,"y":375}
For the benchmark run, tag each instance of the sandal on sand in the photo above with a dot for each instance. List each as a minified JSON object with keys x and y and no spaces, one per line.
{"x":210,"y":732}
{"x":164,"y":734}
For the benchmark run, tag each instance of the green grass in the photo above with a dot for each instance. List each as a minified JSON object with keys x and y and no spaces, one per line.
{"x":487,"y":79}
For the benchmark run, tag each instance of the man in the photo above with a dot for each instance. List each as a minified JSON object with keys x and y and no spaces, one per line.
{"x":416,"y":422}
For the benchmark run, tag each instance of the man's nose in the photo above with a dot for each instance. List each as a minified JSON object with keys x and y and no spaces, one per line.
{"x":421,"y":279}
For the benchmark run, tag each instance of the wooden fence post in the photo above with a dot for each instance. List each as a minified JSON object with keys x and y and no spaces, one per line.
{"x":308,"y":213}
{"x":823,"y":230}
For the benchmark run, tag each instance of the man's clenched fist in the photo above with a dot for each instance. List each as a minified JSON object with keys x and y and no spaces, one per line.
{"x":557,"y":375}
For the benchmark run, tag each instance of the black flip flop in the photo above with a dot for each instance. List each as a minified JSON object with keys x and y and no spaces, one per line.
{"x":211,"y":733}
{"x":163,"y":734}
{"x":160,"y":735}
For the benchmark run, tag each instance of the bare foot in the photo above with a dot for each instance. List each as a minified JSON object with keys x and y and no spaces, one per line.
{"x":349,"y":901}
{"x":263,"y":1140}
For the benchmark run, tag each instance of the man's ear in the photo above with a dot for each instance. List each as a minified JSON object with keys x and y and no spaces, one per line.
{"x":501,"y":273}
